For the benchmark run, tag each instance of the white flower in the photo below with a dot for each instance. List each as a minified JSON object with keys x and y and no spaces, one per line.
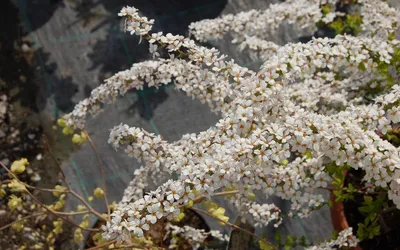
{"x":307,"y":107}
{"x":153,"y":50}
{"x":154,"y":213}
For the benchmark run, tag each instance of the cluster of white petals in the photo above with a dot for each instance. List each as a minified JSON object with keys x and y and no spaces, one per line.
{"x":378,"y":18}
{"x":281,"y":128}
{"x":345,"y":239}
{"x":301,"y":13}
{"x":194,"y":236}
{"x":206,"y":85}
{"x":134,"y":23}
{"x":259,"y":48}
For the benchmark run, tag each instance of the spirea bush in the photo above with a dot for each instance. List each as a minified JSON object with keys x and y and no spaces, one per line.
{"x":312,"y":111}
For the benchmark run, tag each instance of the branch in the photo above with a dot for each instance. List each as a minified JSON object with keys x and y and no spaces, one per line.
{"x":102,"y":245}
{"x":43,"y":205}
{"x":93,"y":211}
{"x":233,"y":226}
{"x":122,"y":246}
{"x":21,"y":219}
{"x":69,"y":187}
{"x":100,"y":166}
{"x":56,"y":161}
{"x":202,"y":197}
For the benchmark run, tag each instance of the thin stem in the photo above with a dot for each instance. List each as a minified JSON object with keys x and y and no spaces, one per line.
{"x":59,"y":216}
{"x":120,"y":247}
{"x":91,"y":210}
{"x":233,"y":226}
{"x":57,"y":163}
{"x":69,"y":187}
{"x":102,"y":245}
{"x":72,"y":213}
{"x":129,"y":246}
{"x":88,"y":206}
{"x":100,"y":166}
{"x":20,"y":219}
{"x":359,"y":191}
{"x":365,"y":187}
{"x":5,"y":182}
{"x":43,"y":205}
{"x":202,"y":197}
{"x":45,"y":189}
{"x":226,"y":193}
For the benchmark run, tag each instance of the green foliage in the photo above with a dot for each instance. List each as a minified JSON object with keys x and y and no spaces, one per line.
{"x":371,"y":208}
{"x":393,"y":136}
{"x":264,"y":246}
{"x":290,"y":242}
{"x":395,"y":62}
{"x":341,"y":191}
{"x":351,"y":24}
{"x":326,"y":9}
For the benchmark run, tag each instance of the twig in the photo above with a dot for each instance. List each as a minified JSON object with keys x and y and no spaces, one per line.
{"x":202,"y":197}
{"x":56,"y":161}
{"x":44,"y":189}
{"x":69,"y":187}
{"x":233,"y":225}
{"x":100,"y":166}
{"x":120,"y":247}
{"x":5,"y":182}
{"x":44,"y":206}
{"x":72,"y":213}
{"x":20,"y":219}
{"x":88,"y":206}
{"x":102,"y":245}
{"x":135,"y":246}
{"x":59,"y":216}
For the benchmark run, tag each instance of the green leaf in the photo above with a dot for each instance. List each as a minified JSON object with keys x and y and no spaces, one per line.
{"x":278,"y":237}
{"x":363,"y":209}
{"x":303,"y":241}
{"x":361,"y":67}
{"x":326,"y":9}
{"x":375,"y":231}
{"x":361,"y":231}
{"x":264,"y":246}
{"x":368,"y":200}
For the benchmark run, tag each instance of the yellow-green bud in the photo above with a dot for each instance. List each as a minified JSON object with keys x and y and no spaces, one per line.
{"x":14,"y":202}
{"x":58,"y":226}
{"x":78,"y":236}
{"x":98,"y":192}
{"x":59,"y":188}
{"x":18,"y":166}
{"x":68,"y":131}
{"x":61,"y":123}
{"x":16,"y":186}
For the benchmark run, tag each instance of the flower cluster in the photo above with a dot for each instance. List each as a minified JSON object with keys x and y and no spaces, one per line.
{"x":259,"y":48}
{"x":344,"y":239}
{"x":311,"y":107}
{"x":136,"y":24}
{"x":302,"y":13}
{"x":379,"y":19}
{"x":264,"y":214}
{"x":194,"y":236}
{"x":204,"y":84}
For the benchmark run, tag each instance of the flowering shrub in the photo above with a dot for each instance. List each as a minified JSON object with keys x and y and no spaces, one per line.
{"x":311,"y":111}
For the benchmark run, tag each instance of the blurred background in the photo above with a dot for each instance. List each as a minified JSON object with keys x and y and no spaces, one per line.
{"x":54,"y":52}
